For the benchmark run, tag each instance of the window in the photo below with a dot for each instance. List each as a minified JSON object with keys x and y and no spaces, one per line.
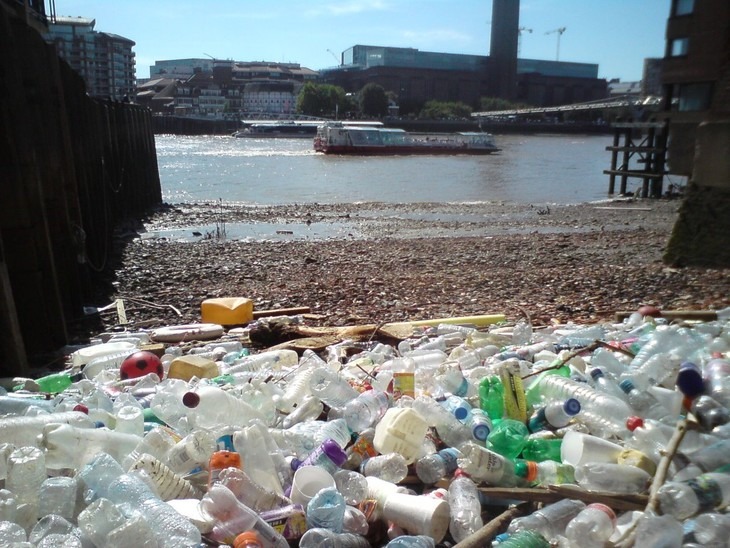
{"x":678,"y":47}
{"x":683,"y":7}
{"x":692,"y":97}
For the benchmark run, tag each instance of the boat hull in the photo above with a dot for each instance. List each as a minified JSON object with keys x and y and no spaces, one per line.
{"x":402,"y":151}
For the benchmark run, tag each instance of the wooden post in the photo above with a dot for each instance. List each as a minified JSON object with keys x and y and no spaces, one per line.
{"x":614,"y":159}
{"x":625,"y":159}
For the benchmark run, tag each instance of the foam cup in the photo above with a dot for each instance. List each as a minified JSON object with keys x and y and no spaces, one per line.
{"x":307,"y":482}
{"x":579,"y":448}
{"x":419,"y":515}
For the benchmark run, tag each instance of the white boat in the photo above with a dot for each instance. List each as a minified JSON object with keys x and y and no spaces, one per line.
{"x":345,"y":138}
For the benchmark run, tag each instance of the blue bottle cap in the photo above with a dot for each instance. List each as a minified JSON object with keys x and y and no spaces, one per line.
{"x":626,"y":385}
{"x":571,"y":406}
{"x":595,"y":373}
{"x":689,"y":380}
{"x":461,"y":413}
{"x":480,"y":432}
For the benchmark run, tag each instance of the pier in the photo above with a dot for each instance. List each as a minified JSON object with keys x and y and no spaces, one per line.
{"x":644,"y":143}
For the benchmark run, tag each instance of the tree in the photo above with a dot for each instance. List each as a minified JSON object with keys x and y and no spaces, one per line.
{"x":322,"y":100}
{"x":439,"y":110}
{"x":496,"y":103}
{"x":373,"y":100}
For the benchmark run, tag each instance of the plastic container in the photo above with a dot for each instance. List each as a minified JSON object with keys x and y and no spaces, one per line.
{"x":593,"y":526}
{"x":712,"y":529}
{"x":708,"y":459}
{"x":330,"y":387}
{"x":99,"y":519}
{"x":550,"y":521}
{"x":307,"y":482}
{"x":391,"y":467}
{"x":367,"y":409}
{"x":211,"y":407}
{"x":541,"y":449}
{"x":227,"y":310}
{"x":24,"y":431}
{"x":329,"y":455}
{"x":326,"y":510}
{"x":68,"y":446}
{"x":452,"y":432}
{"x":191,"y":452}
{"x":250,"y":492}
{"x":486,"y":466}
{"x":578,"y":448}
{"x":26,"y":471}
{"x":191,"y":365}
{"x":613,"y":477}
{"x":418,"y":515}
{"x":248,"y":539}
{"x":465,"y":508}
{"x":353,"y":486}
{"x":401,"y":430}
{"x":431,"y":468}
{"x":547,"y":472}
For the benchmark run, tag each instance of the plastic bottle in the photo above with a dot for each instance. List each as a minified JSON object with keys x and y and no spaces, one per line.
{"x":157,"y":442}
{"x":68,"y":446}
{"x":486,"y":466}
{"x":656,"y":530}
{"x":550,"y":521}
{"x":602,"y":413}
{"x":508,"y":438}
{"x":330,"y":387}
{"x":210,"y":407}
{"x":248,"y":539}
{"x":541,"y":449}
{"x":716,"y":374}
{"x":15,"y":405}
{"x":250,"y":492}
{"x":264,"y":361}
{"x":452,"y":432}
{"x":491,"y":398}
{"x":651,"y":437}
{"x":404,"y":378}
{"x":412,"y":541}
{"x":297,"y":386}
{"x":479,"y":424}
{"x":26,"y":471}
{"x":465,"y":508}
{"x":105,"y":477}
{"x":662,"y":340}
{"x":391,"y":467}
{"x":608,"y":476}
{"x":707,"y":459}
{"x":98,"y":519}
{"x":260,"y":462}
{"x":57,"y":382}
{"x":709,"y":412}
{"x":233,"y":518}
{"x":191,"y":452}
{"x":12,"y":533}
{"x":453,"y":382}
{"x":525,"y":539}
{"x":58,"y":496}
{"x":329,"y":455}
{"x":684,"y":499}
{"x":169,"y":484}
{"x":320,"y":538}
{"x":712,"y":529}
{"x":130,"y":420}
{"x":24,"y":431}
{"x":593,"y":526}
{"x":365,"y":410}
{"x":605,"y":384}
{"x":326,"y":510}
{"x":547,"y":472}
{"x":554,"y":415}
{"x":8,"y":505}
{"x":431,"y":468}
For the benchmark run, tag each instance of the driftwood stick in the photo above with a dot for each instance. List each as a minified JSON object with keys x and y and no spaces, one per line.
{"x":554,"y":493}
{"x":627,"y":540}
{"x":485,"y":535}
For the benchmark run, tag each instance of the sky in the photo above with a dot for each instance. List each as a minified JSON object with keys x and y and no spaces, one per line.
{"x":615,"y":34}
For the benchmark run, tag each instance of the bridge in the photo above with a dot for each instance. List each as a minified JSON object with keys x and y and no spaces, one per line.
{"x":621,"y":101}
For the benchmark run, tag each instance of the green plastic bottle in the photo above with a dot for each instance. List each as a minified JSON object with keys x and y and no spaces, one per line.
{"x":532,"y":393}
{"x":508,"y":438}
{"x":57,"y":382}
{"x":525,"y":539}
{"x":491,"y":398}
{"x":542,"y":449}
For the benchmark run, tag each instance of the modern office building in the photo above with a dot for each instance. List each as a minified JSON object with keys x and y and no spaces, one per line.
{"x":105,"y":61}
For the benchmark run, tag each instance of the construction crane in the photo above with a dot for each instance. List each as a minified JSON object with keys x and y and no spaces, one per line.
{"x":519,"y":37}
{"x":560,"y":32}
{"x":333,"y":55}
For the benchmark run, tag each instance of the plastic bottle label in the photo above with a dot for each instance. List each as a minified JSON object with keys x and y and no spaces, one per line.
{"x":404,"y":384}
{"x":515,"y":405}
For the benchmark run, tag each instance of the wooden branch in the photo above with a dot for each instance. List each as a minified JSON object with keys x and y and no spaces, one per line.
{"x":554,"y":493}
{"x":485,"y":535}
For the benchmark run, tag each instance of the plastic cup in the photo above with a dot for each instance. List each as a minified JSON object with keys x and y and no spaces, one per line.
{"x":307,"y":482}
{"x":418,"y":515}
{"x":579,"y":448}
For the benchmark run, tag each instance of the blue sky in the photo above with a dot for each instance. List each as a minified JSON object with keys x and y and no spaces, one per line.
{"x":615,"y":34}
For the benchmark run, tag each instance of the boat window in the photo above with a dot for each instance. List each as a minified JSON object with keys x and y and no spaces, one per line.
{"x":366,"y":137}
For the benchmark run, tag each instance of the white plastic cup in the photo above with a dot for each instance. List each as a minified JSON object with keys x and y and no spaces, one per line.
{"x":418,"y":515}
{"x":307,"y":482}
{"x":579,"y":448}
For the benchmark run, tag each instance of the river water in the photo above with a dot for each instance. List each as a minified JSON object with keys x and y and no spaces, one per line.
{"x":530,"y":169}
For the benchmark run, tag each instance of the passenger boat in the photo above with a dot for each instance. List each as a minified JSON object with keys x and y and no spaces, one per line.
{"x":279,"y":129}
{"x":344,"y":138}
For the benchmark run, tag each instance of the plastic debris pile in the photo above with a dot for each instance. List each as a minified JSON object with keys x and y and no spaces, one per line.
{"x":588,"y":434}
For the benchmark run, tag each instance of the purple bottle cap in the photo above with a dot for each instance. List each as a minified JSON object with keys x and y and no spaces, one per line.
{"x":333,"y":450}
{"x":191,"y":399}
{"x":571,"y":406}
{"x":689,"y":380}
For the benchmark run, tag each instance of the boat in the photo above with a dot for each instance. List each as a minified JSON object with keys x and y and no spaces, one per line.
{"x":276,"y":128}
{"x":344,"y":138}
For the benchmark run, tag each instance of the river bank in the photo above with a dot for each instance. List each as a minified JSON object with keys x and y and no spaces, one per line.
{"x":578,"y":263}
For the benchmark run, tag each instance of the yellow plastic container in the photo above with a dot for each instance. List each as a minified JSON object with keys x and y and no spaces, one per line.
{"x":187,"y":367}
{"x":227,"y":310}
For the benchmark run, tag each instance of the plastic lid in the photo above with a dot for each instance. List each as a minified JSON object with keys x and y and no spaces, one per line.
{"x":689,"y":380}
{"x":81,"y":408}
{"x":480,"y":432}
{"x":626,"y":385}
{"x":632,"y":423}
{"x":247,"y":538}
{"x":571,"y":406}
{"x":595,"y":373}
{"x":526,"y":469}
{"x":461,"y":413}
{"x":333,"y":450}
{"x":191,"y":399}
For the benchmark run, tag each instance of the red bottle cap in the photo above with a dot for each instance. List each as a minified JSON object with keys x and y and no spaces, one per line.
{"x":632,"y":423}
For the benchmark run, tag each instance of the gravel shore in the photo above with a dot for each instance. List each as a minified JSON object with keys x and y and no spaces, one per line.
{"x":374,"y":262}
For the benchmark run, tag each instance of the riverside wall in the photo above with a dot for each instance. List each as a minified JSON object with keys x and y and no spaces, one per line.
{"x":72,"y":167}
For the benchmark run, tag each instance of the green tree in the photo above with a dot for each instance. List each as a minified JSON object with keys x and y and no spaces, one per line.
{"x":373,"y":100}
{"x":439,"y":110}
{"x":488,"y":104}
{"x":322,"y":100}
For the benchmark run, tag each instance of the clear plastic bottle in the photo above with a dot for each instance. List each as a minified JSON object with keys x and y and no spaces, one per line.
{"x":98,"y":519}
{"x":412,"y":541}
{"x":157,"y":442}
{"x":608,"y":476}
{"x":8,"y":506}
{"x":486,"y":466}
{"x":232,"y":518}
{"x":365,"y":410}
{"x":58,"y":496}
{"x":479,"y":424}
{"x":684,"y":499}
{"x":404,"y":377}
{"x":26,"y":472}
{"x":319,"y":538}
{"x":169,"y":484}
{"x":130,"y":420}
{"x":593,"y":526}
{"x":452,"y":381}
{"x":547,"y":472}
{"x":68,"y":446}
{"x":656,"y":530}
{"x":14,"y":405}
{"x":550,"y":521}
{"x":465,"y":507}
{"x":329,"y":455}
{"x":331,"y":387}
{"x":556,"y":414}
{"x":707,"y":459}
{"x":391,"y":467}
{"x":712,"y":529}
{"x":651,"y":437}
{"x":106,"y":478}
{"x":607,"y":384}
{"x":452,"y":432}
{"x":310,"y":408}
{"x":211,"y":407}
{"x":326,"y":510}
{"x":250,"y":492}
{"x":24,"y":431}
{"x":431,"y":468}
{"x":716,"y":374}
{"x":191,"y":452}
{"x":12,"y":533}
{"x":709,"y":412}
{"x":298,"y":386}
